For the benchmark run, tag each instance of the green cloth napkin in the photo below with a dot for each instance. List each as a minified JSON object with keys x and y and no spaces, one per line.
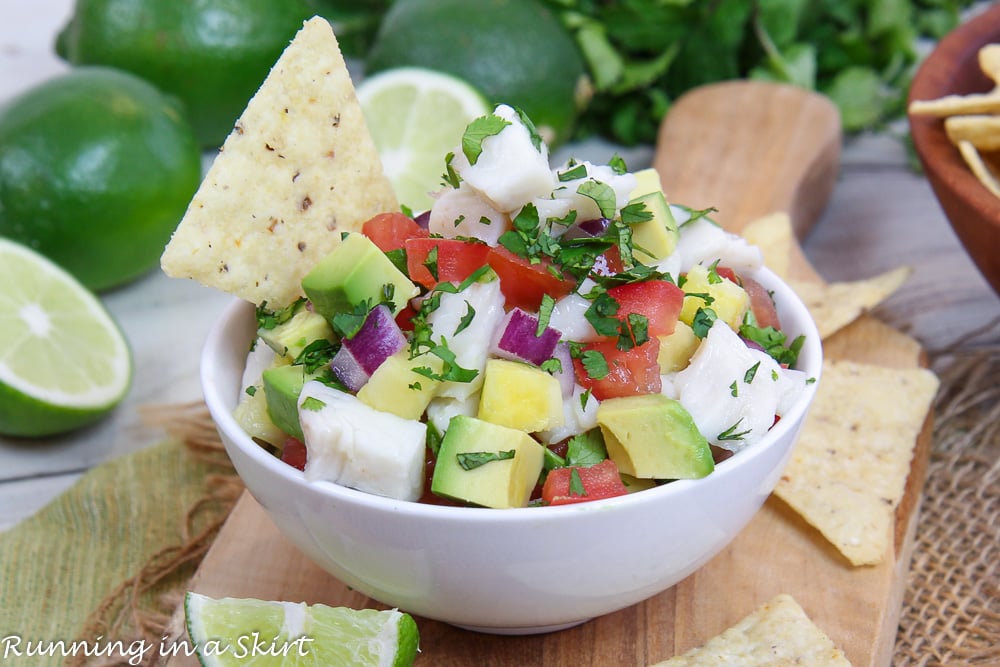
{"x":57,"y":567}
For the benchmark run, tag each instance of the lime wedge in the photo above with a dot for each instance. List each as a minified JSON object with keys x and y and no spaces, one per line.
{"x":244,"y":631}
{"x":64,"y":362}
{"x":416,"y":117}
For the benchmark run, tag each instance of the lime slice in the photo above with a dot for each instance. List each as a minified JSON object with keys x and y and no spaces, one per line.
{"x":416,"y":117}
{"x":63,"y":360}
{"x":244,"y":631}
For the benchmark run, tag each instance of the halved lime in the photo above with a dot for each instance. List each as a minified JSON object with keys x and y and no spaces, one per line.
{"x":64,"y":362}
{"x":244,"y":631}
{"x":416,"y":116}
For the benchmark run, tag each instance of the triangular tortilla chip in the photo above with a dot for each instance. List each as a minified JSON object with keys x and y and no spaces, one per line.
{"x":773,"y":235}
{"x":776,"y":633}
{"x":848,"y":470}
{"x":299,"y":168}
{"x":835,"y":305}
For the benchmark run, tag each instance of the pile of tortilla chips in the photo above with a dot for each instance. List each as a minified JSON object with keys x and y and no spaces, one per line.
{"x":300,"y":168}
{"x":849,"y":467}
{"x":972,"y":122}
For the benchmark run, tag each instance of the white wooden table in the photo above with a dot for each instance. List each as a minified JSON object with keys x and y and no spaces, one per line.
{"x":881,"y":215}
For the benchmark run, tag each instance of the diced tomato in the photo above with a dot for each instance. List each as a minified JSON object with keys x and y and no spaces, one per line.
{"x":389,"y":231}
{"x":598,"y":481}
{"x":631,"y":372}
{"x":456,"y":259}
{"x":608,"y":263}
{"x":728,"y":274}
{"x":523,"y":284}
{"x":404,"y":318}
{"x":660,"y":301}
{"x":294,"y":453}
{"x":761,"y":304}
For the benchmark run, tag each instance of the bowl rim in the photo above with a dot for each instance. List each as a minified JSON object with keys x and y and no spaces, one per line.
{"x":956,"y":49}
{"x":812,"y":352}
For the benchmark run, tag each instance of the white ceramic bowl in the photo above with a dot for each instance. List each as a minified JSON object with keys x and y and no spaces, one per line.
{"x":512,"y":571}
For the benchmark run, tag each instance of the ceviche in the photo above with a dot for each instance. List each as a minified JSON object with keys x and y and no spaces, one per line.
{"x":539,"y":336}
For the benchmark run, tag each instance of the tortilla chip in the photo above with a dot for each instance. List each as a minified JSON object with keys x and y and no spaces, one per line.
{"x":775,"y":634}
{"x":773,"y":235}
{"x":979,"y":167}
{"x":299,"y":168}
{"x":981,"y":131}
{"x":848,"y":470}
{"x":835,"y":305}
{"x":952,"y":105}
{"x":989,"y":61}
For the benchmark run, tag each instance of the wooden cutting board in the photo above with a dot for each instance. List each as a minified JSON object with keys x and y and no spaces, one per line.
{"x":747,"y":149}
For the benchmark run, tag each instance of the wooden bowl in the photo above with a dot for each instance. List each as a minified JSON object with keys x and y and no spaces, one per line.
{"x":972,"y":210}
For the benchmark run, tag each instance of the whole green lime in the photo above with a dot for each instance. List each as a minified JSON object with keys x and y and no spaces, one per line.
{"x":515,"y":51}
{"x":212,"y":54}
{"x":97,"y":167}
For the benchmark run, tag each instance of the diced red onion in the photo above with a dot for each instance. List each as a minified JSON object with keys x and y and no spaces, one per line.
{"x":348,"y":370}
{"x":518,"y":338}
{"x":587,"y":228}
{"x":566,"y":376}
{"x":423,"y":220}
{"x":378,"y":339}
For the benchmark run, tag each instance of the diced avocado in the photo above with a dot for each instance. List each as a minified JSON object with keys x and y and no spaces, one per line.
{"x":646,"y":180}
{"x":288,"y":339}
{"x":729,"y":301}
{"x":282,"y":386}
{"x":656,"y":238}
{"x":651,"y":436}
{"x":487,"y":464}
{"x":251,"y":414}
{"x":521,"y":396}
{"x":395,"y":387}
{"x":634,"y":484}
{"x":354,"y":272}
{"x":677,"y":348}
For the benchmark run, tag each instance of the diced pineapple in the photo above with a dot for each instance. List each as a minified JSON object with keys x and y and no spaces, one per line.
{"x":394,"y":386}
{"x":728,"y":300}
{"x":252,"y":416}
{"x":677,"y":348}
{"x":520,"y":396}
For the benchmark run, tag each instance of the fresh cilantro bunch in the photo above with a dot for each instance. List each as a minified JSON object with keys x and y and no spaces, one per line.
{"x":644,"y":53}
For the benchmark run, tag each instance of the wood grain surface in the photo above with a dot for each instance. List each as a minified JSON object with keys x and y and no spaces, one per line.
{"x":747,"y":149}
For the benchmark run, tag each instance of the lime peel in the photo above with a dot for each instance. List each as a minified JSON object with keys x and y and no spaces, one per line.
{"x":232,"y":631}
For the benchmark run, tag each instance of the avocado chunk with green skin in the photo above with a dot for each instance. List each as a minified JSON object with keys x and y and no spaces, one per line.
{"x":487,"y":464}
{"x":355,"y":272}
{"x":651,"y":436}
{"x":288,"y":339}
{"x":282,"y":386}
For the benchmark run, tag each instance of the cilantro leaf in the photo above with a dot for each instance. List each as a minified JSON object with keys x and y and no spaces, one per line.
{"x":586,"y":449}
{"x":473,"y":460}
{"x":315,"y":355}
{"x":478,"y":131}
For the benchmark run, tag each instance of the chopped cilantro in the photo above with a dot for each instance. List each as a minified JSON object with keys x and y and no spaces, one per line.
{"x":751,"y":373}
{"x":703,"y":320}
{"x":472,"y":460}
{"x":734,"y":389}
{"x":463,"y":324}
{"x":251,"y":390}
{"x":586,"y":449}
{"x":731,"y":434}
{"x":601,"y":314}
{"x":544,"y":313}
{"x":450,"y":176}
{"x":595,"y":364}
{"x":479,"y":130}
{"x":576,"y":484}
{"x":573,"y":174}
{"x":269,"y":319}
{"x":313,"y":404}
{"x":633,"y":332}
{"x":552,"y":365}
{"x":635,"y":213}
{"x":315,"y":355}
{"x":536,"y":138}
{"x":617,"y":164}
{"x":602,"y":194}
{"x":431,"y":262}
{"x":773,"y":342}
{"x":433,"y":438}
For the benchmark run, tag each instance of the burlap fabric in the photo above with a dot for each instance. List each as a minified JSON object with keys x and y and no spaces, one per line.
{"x":130,"y":534}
